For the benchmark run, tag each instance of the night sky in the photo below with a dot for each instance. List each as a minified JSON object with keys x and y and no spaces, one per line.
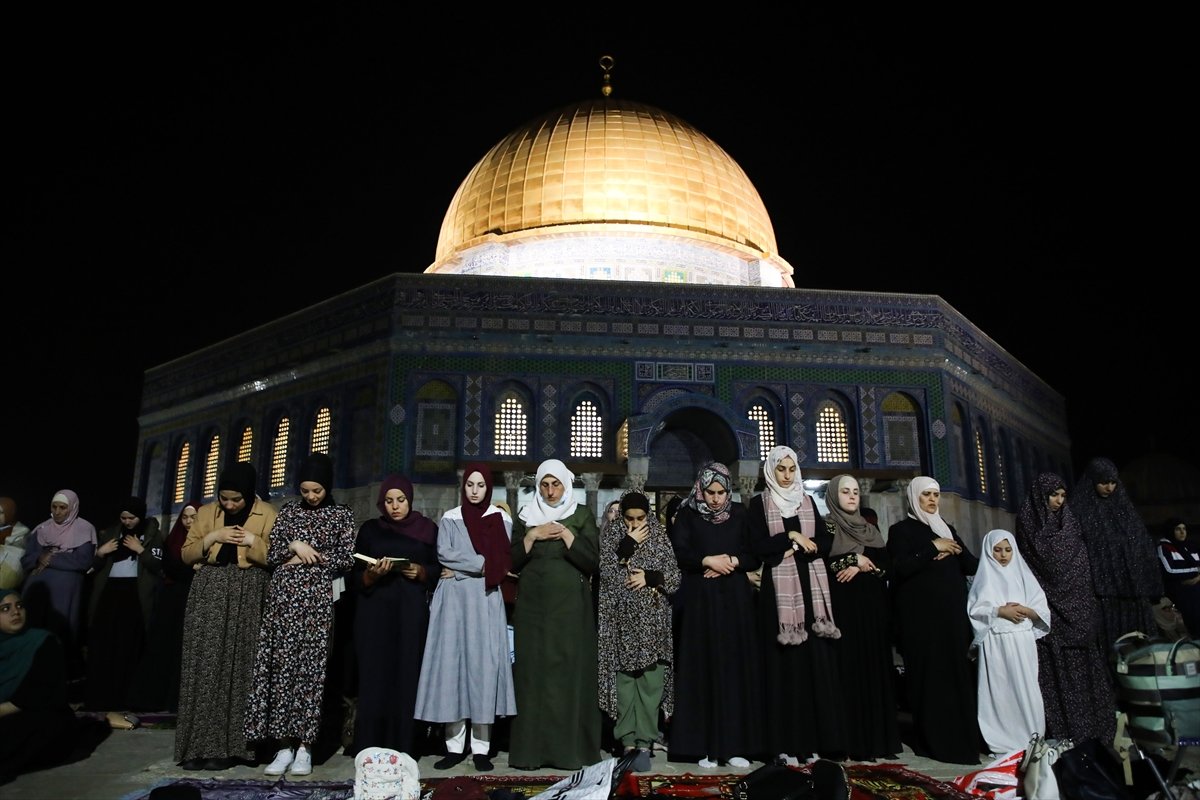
{"x":183,"y":178}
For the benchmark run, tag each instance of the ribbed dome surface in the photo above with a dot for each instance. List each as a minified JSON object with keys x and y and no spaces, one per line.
{"x":606,"y":161}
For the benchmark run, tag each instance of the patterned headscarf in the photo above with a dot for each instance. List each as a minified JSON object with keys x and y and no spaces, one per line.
{"x":852,"y":533}
{"x":1121,"y":551}
{"x":918,"y":485}
{"x":539,"y":512}
{"x":710,"y":472}
{"x":72,"y":532}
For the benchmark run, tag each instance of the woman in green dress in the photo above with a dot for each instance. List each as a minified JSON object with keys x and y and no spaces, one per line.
{"x":555,"y":550}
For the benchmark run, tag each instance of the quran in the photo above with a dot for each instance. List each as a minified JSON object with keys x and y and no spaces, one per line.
{"x":403,"y":562}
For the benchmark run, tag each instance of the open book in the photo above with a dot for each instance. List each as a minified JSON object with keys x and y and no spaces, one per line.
{"x":397,"y":560}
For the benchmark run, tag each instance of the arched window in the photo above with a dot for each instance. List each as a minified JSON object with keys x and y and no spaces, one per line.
{"x":587,"y":430}
{"x":212,"y":463}
{"x":833,"y":441}
{"x":761,"y":416}
{"x":181,"y":471}
{"x":512,"y":424}
{"x":320,"y":431}
{"x":1001,"y":469}
{"x":981,"y":461}
{"x":901,"y":440}
{"x":279,"y":454}
{"x":244,"y":449}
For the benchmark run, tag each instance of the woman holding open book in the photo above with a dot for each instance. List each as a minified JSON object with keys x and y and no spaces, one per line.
{"x":391,"y":616}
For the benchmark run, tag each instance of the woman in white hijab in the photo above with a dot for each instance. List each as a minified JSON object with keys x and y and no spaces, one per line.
{"x":930,"y":565}
{"x":556,"y":551}
{"x":1009,"y":613}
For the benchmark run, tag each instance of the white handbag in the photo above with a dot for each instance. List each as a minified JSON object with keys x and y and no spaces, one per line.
{"x":1037,"y":767}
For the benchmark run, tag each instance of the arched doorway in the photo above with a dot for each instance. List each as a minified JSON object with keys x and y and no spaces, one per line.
{"x":685,"y":440}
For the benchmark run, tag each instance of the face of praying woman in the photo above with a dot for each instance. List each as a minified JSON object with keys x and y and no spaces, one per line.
{"x":1106,"y":488}
{"x":12,"y":613}
{"x":1056,"y":499}
{"x":129,"y":520}
{"x":714,"y":495}
{"x":312,"y":492}
{"x":552,"y":489}
{"x":848,"y":496}
{"x":475,"y":488}
{"x":1002,"y":552}
{"x":187,"y":516}
{"x":613,"y":511}
{"x":929,"y":500}
{"x":634,"y":518}
{"x":1179,"y":532}
{"x":231,"y":501}
{"x":785,"y":472}
{"x":58,"y":511}
{"x":396,"y":503}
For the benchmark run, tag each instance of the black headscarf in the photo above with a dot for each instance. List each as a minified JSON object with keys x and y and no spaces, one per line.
{"x":137,"y":507}
{"x":240,"y":477}
{"x":317,"y":468}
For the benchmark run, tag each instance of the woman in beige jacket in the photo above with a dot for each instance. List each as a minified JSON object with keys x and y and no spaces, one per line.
{"x":228,"y":546}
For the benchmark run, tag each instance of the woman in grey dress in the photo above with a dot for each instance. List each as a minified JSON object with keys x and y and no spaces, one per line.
{"x":468,"y":625}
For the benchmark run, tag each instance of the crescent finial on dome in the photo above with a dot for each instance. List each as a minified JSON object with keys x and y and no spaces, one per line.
{"x":606,"y":64}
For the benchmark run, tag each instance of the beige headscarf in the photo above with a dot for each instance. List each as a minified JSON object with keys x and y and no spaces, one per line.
{"x":852,"y":533}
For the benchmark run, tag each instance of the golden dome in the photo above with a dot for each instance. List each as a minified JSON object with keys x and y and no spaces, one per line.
{"x":620,"y":170}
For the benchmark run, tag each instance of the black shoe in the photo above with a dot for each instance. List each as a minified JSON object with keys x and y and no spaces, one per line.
{"x":483,"y":763}
{"x":192,"y":763}
{"x":218,"y":764}
{"x":642,"y":762}
{"x":451,"y":760}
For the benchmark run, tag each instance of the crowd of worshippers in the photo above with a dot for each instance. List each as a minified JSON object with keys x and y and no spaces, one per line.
{"x":715,"y":632}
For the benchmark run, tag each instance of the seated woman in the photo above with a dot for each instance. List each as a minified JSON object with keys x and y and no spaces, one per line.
{"x":37,"y":727}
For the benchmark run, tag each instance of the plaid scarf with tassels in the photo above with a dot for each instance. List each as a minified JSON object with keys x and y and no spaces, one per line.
{"x":789,"y":594}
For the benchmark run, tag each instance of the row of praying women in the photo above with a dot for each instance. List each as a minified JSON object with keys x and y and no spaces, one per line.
{"x":756,"y":630}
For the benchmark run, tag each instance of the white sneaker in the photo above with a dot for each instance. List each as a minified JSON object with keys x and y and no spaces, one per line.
{"x":283,"y":760}
{"x":739,"y":762}
{"x":303,"y":763}
{"x":707,"y":763}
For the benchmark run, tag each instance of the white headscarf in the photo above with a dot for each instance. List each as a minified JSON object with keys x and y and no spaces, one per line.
{"x":995,"y":585}
{"x":539,"y":512}
{"x":786,"y":500}
{"x":920,"y":484}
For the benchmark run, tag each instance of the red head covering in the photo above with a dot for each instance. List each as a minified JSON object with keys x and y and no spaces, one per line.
{"x":485,"y":525}
{"x":416,"y":525}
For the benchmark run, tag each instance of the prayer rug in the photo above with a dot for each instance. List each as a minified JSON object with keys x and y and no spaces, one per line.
{"x":867,"y":782}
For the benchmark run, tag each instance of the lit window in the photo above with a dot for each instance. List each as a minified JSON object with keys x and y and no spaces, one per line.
{"x":181,"y":469}
{"x":211,"y":464}
{"x":766,"y":429}
{"x":981,"y":462}
{"x":247,"y":443}
{"x":1000,"y":474}
{"x":833,"y":445}
{"x":320,"y":434}
{"x":279,"y":454}
{"x":510,"y":428}
{"x":586,"y":431}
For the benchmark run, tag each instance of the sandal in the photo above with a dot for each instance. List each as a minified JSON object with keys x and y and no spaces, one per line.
{"x":121,"y":722}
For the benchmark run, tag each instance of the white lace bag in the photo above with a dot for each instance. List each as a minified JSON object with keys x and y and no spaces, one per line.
{"x":383,"y":774}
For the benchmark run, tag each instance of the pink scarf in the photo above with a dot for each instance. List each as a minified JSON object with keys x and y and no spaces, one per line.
{"x":789,"y":595}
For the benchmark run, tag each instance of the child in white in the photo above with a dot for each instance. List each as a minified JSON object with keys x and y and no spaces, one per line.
{"x":1009,"y":614}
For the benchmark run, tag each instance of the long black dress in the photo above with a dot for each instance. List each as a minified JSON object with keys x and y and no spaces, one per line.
{"x":934,"y":634}
{"x":718,"y":684}
{"x":862,"y":608}
{"x":390,"y":624}
{"x":802,"y":681}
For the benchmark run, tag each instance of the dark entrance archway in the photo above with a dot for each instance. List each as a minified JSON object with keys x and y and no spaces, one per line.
{"x":686,"y":440}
